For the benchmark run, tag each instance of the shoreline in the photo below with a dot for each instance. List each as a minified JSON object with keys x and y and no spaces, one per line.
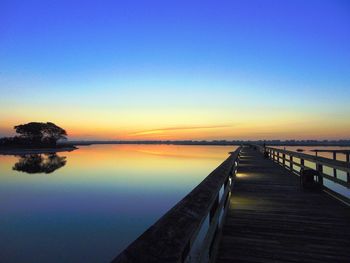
{"x":211,"y":143}
{"x":23,"y":151}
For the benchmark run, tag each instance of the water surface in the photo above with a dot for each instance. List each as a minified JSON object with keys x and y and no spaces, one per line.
{"x":89,"y":204}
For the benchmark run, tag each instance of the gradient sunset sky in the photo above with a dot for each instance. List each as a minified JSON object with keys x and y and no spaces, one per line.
{"x":177,"y":69}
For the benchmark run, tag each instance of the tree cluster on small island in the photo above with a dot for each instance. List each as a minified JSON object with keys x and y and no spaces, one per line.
{"x":35,"y":134}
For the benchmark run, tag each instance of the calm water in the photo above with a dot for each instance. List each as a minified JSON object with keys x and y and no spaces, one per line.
{"x":89,"y":204}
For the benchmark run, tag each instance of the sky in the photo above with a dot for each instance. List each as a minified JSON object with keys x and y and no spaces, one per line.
{"x":135,"y":70}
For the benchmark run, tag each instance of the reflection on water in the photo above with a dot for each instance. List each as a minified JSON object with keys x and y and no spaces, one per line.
{"x":39,"y":163}
{"x":99,"y":201}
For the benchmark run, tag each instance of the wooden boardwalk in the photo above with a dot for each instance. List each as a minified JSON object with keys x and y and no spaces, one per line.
{"x":271,"y":219}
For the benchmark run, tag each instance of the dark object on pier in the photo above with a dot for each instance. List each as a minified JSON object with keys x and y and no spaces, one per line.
{"x":271,"y":220}
{"x":300,"y":150}
{"x":307,"y":179}
{"x":266,"y":155}
{"x":265,"y":219}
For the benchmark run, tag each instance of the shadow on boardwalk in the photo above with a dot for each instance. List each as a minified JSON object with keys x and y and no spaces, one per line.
{"x":271,"y":219}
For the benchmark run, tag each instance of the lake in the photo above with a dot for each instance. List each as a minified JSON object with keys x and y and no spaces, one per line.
{"x":89,"y":204}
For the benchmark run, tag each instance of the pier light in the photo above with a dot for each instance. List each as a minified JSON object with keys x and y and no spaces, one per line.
{"x":241,"y":175}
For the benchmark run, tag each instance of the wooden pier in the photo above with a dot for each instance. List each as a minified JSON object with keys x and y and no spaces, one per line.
{"x":252,"y":208}
{"x":272,"y":219}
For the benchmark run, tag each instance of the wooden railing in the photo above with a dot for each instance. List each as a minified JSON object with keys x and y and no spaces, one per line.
{"x":190,"y":230}
{"x":296,"y":162}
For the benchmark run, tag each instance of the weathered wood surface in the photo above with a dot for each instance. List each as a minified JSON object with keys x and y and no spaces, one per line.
{"x":271,"y":219}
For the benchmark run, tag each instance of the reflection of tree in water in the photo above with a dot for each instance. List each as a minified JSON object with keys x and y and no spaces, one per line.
{"x":39,"y":163}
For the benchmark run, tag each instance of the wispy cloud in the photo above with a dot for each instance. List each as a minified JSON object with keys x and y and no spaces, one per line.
{"x":180,"y":128}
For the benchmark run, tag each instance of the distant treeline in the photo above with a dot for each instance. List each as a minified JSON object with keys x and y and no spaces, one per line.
{"x":224,"y":142}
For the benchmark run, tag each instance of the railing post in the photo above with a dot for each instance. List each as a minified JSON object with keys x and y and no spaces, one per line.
{"x":319,"y":169}
{"x":302,"y":164}
{"x":280,"y":159}
{"x":334,"y":169}
{"x":348,"y":161}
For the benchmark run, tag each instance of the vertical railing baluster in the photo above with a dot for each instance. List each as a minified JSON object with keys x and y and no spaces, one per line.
{"x":302,"y":164}
{"x":348,"y":161}
{"x":319,"y":169}
{"x":276,"y":156}
{"x":334,"y":169}
{"x":280,"y":156}
{"x":281,"y":159}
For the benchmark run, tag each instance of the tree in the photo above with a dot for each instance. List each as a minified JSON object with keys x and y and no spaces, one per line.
{"x":31,"y":131}
{"x":40,"y":132}
{"x":52,"y":133}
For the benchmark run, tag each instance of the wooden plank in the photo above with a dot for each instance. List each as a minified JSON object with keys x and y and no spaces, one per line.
{"x":271,"y":219}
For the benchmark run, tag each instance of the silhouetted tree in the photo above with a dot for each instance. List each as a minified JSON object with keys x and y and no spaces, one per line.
{"x":13,"y":141}
{"x":40,"y":132}
{"x":52,"y":133}
{"x":31,"y":131}
{"x":6,"y":141}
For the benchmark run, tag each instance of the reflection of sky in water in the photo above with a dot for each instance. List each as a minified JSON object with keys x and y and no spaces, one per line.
{"x":100,"y":201}
{"x":327,"y":170}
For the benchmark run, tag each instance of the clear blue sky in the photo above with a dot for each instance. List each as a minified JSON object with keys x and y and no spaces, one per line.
{"x":177,"y":69}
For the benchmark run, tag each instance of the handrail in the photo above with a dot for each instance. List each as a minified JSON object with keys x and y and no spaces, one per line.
{"x":189,"y":231}
{"x":320,"y":162}
{"x":340,"y":165}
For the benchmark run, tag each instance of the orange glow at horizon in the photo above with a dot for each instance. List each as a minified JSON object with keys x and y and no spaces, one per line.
{"x":187,"y":125}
